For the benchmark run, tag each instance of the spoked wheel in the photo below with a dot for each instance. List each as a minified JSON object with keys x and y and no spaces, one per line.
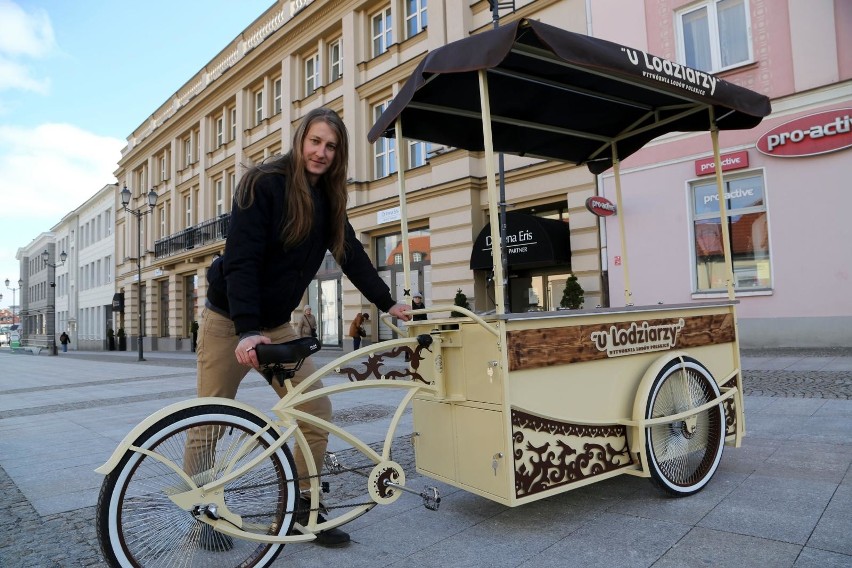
{"x":683,"y":455}
{"x":139,"y":525}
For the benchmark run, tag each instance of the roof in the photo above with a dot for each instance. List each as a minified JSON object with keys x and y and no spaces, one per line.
{"x":560,"y":95}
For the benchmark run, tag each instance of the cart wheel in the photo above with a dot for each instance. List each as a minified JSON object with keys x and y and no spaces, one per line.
{"x":684,"y":455}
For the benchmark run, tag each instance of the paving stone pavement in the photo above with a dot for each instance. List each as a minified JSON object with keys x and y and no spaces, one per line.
{"x":68,"y":538}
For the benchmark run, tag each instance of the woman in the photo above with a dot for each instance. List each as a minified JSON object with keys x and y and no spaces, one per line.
{"x":286,"y":214}
{"x":307,"y":323}
{"x":356,"y":330}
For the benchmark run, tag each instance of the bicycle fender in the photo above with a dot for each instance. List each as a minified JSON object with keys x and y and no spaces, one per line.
{"x":139,"y":429}
{"x":635,"y":437}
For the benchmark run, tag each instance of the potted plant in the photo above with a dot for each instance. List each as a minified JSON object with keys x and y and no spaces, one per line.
{"x":110,"y":339}
{"x":573,"y":295}
{"x":193,"y":329}
{"x":122,"y":340}
{"x":460,"y":301}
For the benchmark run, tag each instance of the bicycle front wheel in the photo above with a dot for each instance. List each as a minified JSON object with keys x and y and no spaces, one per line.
{"x":139,"y":525}
{"x":683,"y":455}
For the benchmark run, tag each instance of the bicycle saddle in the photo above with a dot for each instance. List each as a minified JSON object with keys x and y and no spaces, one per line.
{"x":286,"y":353}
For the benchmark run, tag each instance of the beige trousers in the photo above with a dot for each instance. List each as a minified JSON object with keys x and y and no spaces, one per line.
{"x":219,"y":374}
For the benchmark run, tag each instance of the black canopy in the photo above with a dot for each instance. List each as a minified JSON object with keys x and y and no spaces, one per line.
{"x":560,"y":95}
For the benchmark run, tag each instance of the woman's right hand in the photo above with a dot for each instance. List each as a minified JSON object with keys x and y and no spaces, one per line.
{"x":245,"y":352}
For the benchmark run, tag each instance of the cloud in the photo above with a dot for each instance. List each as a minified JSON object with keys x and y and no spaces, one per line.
{"x":23,"y":35}
{"x":26,"y":34}
{"x":50,"y":170}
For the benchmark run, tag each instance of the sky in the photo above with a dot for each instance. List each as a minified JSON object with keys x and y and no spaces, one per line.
{"x":76,"y":79}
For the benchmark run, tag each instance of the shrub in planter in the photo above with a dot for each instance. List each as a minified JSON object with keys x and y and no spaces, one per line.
{"x":573,"y":295}
{"x":122,"y":340}
{"x":110,"y":339}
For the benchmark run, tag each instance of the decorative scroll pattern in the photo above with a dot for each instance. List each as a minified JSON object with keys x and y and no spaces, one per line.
{"x":548,"y":453}
{"x":375,"y":366}
{"x":730,"y":407}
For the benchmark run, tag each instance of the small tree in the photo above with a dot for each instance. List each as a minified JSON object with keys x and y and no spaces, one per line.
{"x":461,"y":300}
{"x":572,"y":297}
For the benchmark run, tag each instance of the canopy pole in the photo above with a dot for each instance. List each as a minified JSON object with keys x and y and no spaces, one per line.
{"x":496,"y":243}
{"x":616,"y":168}
{"x":403,"y":215}
{"x":723,"y":207}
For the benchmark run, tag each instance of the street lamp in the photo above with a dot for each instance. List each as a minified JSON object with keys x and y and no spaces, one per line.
{"x":51,"y":309}
{"x":20,"y":283}
{"x":139,"y":213}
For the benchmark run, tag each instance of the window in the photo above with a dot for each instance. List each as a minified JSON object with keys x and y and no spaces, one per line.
{"x":187,"y":151}
{"x":747,"y":229}
{"x":108,"y":269}
{"x":187,"y":209}
{"x":164,"y":170}
{"x":108,"y":221}
{"x":418,"y":153}
{"x":335,"y":62}
{"x":384,"y":148}
{"x":714,"y":35}
{"x":311,"y":74}
{"x":415,"y":17}
{"x":234,"y":123}
{"x":381,"y":31}
{"x":276,"y":96}
{"x":220,"y":196}
{"x":163,"y":224}
{"x":220,"y":131}
{"x":258,"y":107}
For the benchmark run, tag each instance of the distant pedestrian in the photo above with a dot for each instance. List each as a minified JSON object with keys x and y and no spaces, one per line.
{"x":418,"y":304}
{"x":308,"y":324}
{"x":64,"y":340}
{"x":357,"y":331}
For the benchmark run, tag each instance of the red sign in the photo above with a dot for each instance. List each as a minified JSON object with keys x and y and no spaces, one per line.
{"x":810,"y":135}
{"x":733,"y":161}
{"x":600,"y":206}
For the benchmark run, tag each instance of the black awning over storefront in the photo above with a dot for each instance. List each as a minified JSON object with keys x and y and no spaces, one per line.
{"x":118,"y":302}
{"x":531,"y":242}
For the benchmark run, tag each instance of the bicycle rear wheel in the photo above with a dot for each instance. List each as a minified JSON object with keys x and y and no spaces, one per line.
{"x":139,"y":525}
{"x":683,"y":455}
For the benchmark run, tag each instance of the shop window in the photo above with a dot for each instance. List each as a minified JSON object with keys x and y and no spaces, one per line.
{"x":714,"y":35}
{"x":746,"y":224}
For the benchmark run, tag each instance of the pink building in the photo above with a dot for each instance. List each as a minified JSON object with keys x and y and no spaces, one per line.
{"x":787,"y":181}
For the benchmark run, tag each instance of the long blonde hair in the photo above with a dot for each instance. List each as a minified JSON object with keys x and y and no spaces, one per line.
{"x":300,"y":206}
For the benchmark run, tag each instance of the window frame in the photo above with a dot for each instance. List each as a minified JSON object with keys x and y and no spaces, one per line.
{"x":419,"y":18}
{"x":695,"y":218}
{"x":220,"y":132}
{"x":381,"y":40}
{"x":258,"y":106}
{"x":714,"y":38}
{"x":277,"y":96}
{"x":335,"y":61}
{"x":312,"y":73}
{"x":384,"y":148}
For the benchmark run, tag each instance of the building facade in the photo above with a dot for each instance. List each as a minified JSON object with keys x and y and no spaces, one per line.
{"x":785,"y":181}
{"x":353,"y":56}
{"x":243,"y":107}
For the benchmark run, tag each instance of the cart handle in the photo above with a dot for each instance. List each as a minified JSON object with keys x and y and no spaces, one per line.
{"x":441,"y":308}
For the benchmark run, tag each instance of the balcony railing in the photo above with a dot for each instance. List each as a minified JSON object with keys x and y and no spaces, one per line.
{"x":193,"y":237}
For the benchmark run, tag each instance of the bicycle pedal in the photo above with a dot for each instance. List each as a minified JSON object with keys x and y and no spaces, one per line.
{"x":431,"y":498}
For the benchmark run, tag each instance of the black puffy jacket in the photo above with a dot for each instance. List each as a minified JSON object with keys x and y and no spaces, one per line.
{"x":259,"y":282}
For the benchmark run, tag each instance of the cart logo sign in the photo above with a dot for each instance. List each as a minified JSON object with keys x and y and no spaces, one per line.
{"x":672,"y":73}
{"x":637,"y":338}
{"x":810,"y":135}
{"x":600,"y":206}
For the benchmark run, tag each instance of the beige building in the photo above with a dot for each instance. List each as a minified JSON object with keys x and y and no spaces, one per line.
{"x":351,"y":56}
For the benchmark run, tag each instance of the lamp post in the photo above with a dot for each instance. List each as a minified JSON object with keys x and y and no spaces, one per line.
{"x":20,"y":283}
{"x":51,"y":308}
{"x":139,"y":213}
